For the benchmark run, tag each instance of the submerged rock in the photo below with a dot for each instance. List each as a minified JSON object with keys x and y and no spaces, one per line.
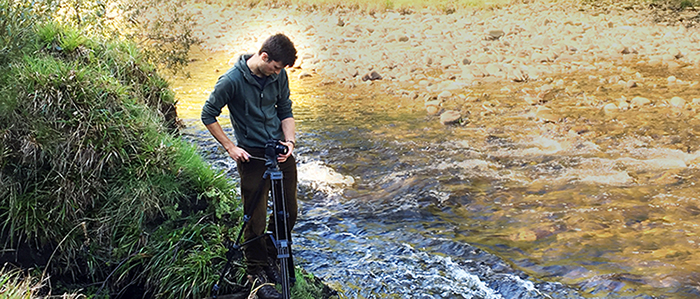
{"x":450,"y":117}
{"x":639,"y":102}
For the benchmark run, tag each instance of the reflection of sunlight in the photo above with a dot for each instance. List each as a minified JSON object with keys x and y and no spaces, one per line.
{"x":663,"y":158}
{"x":323,"y":178}
{"x":616,"y":172}
{"x":234,"y":31}
{"x":227,"y":32}
{"x":544,"y":146}
{"x":597,"y":176}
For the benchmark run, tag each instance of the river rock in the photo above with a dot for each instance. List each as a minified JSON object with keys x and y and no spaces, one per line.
{"x":446,"y":94}
{"x":495,"y":34}
{"x":450,"y":117}
{"x":517,"y":75}
{"x":371,"y":76}
{"x":695,"y":163}
{"x":539,"y":57}
{"x":531,"y":100}
{"x":668,"y":177}
{"x":546,"y":114}
{"x":623,"y":105}
{"x":304,"y":74}
{"x":432,"y":107}
{"x":677,"y":102}
{"x":493,"y":70}
{"x":450,"y":86}
{"x":675,"y":53}
{"x":639,"y":102}
{"x":610,"y":108}
{"x":326,"y":81}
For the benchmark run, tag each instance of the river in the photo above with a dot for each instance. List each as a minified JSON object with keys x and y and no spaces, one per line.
{"x":394,"y":204}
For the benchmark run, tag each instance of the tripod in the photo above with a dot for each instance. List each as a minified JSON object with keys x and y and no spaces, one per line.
{"x":281,"y":237}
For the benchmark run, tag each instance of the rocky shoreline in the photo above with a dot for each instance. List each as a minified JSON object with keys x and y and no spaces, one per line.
{"x":438,"y":57}
{"x":518,"y":42}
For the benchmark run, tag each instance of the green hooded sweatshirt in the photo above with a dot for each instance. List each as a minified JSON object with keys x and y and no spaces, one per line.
{"x":256,"y":112}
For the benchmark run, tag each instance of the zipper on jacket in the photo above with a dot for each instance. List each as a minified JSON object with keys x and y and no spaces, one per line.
{"x":262,"y":111}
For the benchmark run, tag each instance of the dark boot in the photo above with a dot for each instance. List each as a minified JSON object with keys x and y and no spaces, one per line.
{"x":272,"y":270}
{"x":263,"y":287}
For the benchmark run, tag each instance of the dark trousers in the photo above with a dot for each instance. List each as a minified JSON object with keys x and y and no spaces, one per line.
{"x":251,"y":174}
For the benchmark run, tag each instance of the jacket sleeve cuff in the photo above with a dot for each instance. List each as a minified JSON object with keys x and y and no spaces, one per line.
{"x":285,"y":116}
{"x":208,"y":120}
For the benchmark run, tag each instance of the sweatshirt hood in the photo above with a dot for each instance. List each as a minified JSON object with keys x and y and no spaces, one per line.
{"x":242,"y":65}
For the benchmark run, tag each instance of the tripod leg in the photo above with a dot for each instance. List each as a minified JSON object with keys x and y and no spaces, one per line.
{"x":281,"y":229}
{"x":289,"y":260}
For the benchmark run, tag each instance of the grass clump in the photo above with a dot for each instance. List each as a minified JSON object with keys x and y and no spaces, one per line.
{"x":16,"y":285}
{"x":96,"y":188}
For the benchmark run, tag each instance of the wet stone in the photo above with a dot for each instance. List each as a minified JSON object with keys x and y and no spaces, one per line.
{"x":450,"y":117}
{"x":639,"y":102}
{"x":371,"y":76}
{"x":677,"y":102}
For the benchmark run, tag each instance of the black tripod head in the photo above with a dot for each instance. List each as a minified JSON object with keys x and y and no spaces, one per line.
{"x":274,"y":148}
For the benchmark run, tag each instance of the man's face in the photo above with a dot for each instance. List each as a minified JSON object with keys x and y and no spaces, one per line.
{"x":270,"y":66}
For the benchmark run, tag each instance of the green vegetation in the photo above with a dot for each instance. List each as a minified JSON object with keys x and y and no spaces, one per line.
{"x":15,"y":285}
{"x":96,"y":186}
{"x":161,"y":29}
{"x":98,"y":193}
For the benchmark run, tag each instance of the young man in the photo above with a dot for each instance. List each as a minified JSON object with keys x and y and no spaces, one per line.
{"x":256,"y":92}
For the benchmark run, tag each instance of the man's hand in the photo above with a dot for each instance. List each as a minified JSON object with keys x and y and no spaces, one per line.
{"x":288,"y":128}
{"x":238,"y":154}
{"x":290,"y":146}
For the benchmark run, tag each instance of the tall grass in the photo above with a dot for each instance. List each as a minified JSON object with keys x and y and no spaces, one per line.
{"x":16,"y":285}
{"x":96,"y":188}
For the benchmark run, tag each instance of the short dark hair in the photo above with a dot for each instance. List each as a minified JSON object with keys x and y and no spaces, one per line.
{"x":279,"y":48}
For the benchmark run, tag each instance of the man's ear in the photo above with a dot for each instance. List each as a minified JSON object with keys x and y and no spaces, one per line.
{"x":264,"y":57}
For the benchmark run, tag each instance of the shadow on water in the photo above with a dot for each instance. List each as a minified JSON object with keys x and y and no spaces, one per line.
{"x":512,"y":204}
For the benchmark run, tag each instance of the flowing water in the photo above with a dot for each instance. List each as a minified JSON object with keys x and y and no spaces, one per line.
{"x":505,"y":205}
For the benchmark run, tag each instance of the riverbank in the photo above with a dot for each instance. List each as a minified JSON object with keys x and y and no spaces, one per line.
{"x":438,"y":58}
